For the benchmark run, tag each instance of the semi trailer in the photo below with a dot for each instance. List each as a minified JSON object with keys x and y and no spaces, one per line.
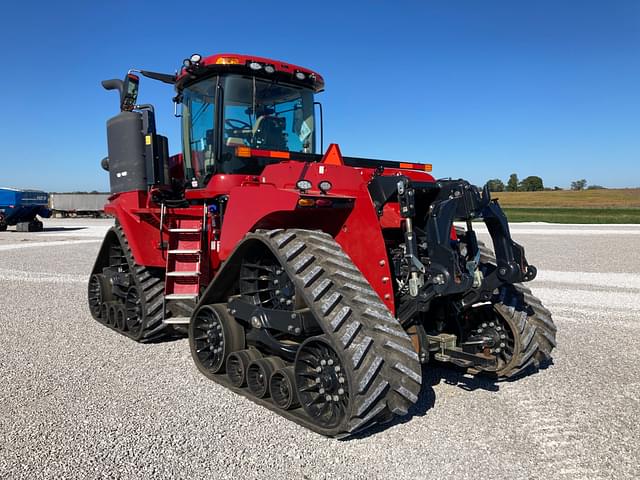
{"x":78,"y":204}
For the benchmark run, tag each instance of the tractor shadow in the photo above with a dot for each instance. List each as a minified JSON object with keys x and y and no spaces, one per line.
{"x":12,"y":229}
{"x":458,"y":377}
{"x":168,"y":337}
{"x":62,"y":229}
{"x":432,"y":375}
{"x":435,"y":374}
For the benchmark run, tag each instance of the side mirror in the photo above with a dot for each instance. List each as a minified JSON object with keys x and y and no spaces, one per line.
{"x":129,"y":94}
{"x":127,"y":88}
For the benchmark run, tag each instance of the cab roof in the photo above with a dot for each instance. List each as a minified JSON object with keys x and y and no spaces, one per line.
{"x":251,"y":64}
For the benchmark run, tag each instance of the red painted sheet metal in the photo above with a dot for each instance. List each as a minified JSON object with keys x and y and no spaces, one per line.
{"x":141,"y":229}
{"x":269,"y":200}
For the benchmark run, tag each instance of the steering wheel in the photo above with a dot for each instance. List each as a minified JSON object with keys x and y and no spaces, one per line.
{"x":236,"y":124}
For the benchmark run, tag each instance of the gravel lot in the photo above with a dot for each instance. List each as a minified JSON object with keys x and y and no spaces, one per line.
{"x":80,"y":401}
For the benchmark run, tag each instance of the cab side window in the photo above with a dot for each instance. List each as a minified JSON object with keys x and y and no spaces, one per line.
{"x":198,"y":123}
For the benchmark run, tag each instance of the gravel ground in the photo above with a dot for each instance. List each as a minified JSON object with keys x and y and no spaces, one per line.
{"x":80,"y":401}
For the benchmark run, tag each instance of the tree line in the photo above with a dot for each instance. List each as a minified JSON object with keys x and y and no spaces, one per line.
{"x":533,"y":183}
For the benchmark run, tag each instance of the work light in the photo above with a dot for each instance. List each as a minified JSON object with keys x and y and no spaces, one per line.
{"x":324,"y":186}
{"x":303,"y":185}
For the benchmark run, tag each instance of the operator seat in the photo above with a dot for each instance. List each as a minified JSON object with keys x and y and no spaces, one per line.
{"x":269,"y":133}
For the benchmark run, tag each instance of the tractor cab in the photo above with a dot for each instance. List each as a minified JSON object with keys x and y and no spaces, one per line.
{"x":240,"y":113}
{"x":226,"y":116}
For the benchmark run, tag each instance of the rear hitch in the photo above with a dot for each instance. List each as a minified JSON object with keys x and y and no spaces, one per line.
{"x":458,"y":200}
{"x":443,"y":347}
{"x":429,"y":262}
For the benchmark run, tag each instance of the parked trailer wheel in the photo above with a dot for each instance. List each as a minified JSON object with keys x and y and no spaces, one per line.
{"x":36,"y":226}
{"x":30,"y":226}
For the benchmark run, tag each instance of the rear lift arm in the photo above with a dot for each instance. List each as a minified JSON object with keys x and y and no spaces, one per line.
{"x":443,"y":272}
{"x":468,"y":204}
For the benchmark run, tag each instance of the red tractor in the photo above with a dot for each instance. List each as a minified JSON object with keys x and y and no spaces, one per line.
{"x":313,"y":283}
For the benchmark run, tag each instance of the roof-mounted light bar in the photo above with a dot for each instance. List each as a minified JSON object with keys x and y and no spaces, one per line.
{"x":228,"y":61}
{"x":197,"y":65}
{"x":425,"y":167}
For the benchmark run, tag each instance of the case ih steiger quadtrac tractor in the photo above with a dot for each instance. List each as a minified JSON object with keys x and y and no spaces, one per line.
{"x":313,"y":283}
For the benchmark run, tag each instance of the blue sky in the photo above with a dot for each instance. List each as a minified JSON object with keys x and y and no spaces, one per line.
{"x":480,"y":89}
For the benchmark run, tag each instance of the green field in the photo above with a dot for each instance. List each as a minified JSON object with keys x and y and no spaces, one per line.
{"x":573,"y":215}
{"x":586,"y":206}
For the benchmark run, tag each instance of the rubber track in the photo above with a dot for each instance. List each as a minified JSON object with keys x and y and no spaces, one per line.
{"x":384,"y":370}
{"x":150,"y":285}
{"x":533,"y":320}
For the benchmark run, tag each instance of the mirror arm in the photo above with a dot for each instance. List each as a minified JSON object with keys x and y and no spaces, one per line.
{"x":145,"y":106}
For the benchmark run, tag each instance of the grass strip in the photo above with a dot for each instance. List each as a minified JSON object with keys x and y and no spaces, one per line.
{"x":573,"y":215}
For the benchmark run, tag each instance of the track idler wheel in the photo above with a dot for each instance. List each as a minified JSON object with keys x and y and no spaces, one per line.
{"x":121,"y":318}
{"x":112,"y":309}
{"x":237,"y":364}
{"x":322,"y":382}
{"x":99,"y":292}
{"x":282,"y":386}
{"x":214,"y":335}
{"x":259,"y":373}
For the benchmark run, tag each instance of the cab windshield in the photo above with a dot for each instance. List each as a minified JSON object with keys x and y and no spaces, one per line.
{"x":267,"y":115}
{"x":253,"y":113}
